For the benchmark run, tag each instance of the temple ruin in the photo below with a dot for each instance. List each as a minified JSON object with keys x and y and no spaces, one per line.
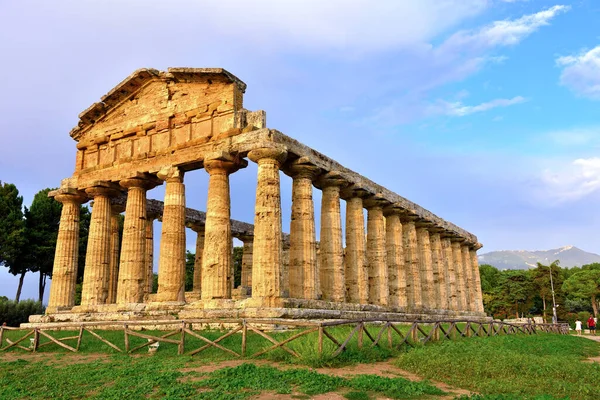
{"x":154,"y":127}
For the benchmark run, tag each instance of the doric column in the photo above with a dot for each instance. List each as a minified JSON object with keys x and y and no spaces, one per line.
{"x":199,"y":229}
{"x":448,"y":258}
{"x":476,"y":278}
{"x":376,"y":254}
{"x":303,"y":250}
{"x":97,"y":256}
{"x":331,"y":274}
{"x":64,"y":275}
{"x":217,"y":279}
{"x":395,"y":258}
{"x":468,"y":277}
{"x":285,"y":268}
{"x":171,"y":262}
{"x":247,"y":261}
{"x":133,"y":267}
{"x":458,"y":272}
{"x":266,"y":259}
{"x":413,"y":265}
{"x":149,"y":260}
{"x":115,"y":246}
{"x":425,"y":260}
{"x":439,"y":270}
{"x":355,"y":262}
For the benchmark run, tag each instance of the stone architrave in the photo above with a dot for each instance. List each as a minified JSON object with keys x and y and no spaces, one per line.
{"x":439,"y":270}
{"x":247,"y":261}
{"x":356,"y":272}
{"x":448,"y":257}
{"x":376,"y":255}
{"x":64,"y":275}
{"x":460,"y":279}
{"x":217,"y":279}
{"x":303,"y":243}
{"x":171,"y":262}
{"x":331,"y":274}
{"x":468,"y":278}
{"x":115,"y":246}
{"x":413,"y":265}
{"x":197,"y":285}
{"x":267,"y":251}
{"x":149,"y":260}
{"x":133,"y":266}
{"x":395,"y":258}
{"x":97,"y":257}
{"x":476,"y":278}
{"x":425,"y":259}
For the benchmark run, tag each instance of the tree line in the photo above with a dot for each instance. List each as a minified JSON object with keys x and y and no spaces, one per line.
{"x":527,"y":293}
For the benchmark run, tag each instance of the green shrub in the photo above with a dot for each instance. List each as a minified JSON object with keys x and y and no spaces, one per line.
{"x":14,"y":314}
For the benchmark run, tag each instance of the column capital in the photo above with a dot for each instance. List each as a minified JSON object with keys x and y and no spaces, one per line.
{"x":276,"y":154}
{"x":375,"y":201}
{"x":245,"y":238}
{"x":353,"y":191}
{"x":222,"y":162}
{"x":102,"y":188}
{"x":302,"y":168}
{"x":198,"y":228}
{"x":477,"y":246}
{"x":144,"y":181}
{"x":423,"y":223}
{"x":394,"y":209}
{"x":171,"y":174}
{"x":331,"y":178}
{"x":116,"y":209}
{"x":69,"y":196}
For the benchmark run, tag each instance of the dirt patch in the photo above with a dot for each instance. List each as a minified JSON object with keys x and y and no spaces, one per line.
{"x":592,"y":360}
{"x":53,"y":358}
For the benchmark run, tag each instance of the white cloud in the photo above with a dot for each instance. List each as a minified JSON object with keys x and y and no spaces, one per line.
{"x":589,"y":137}
{"x":458,"y":109}
{"x":573,"y":181}
{"x":581,"y":73}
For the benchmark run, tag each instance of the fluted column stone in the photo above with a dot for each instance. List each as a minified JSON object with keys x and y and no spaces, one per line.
{"x":217,"y":277}
{"x":97,"y":257}
{"x":476,"y":279}
{"x":459,"y":273}
{"x":395,"y":259}
{"x":413,"y":265}
{"x":115,"y":247}
{"x":425,"y":259}
{"x":355,"y":265}
{"x":64,"y":275}
{"x":376,"y":255}
{"x":171,"y":261}
{"x":149,"y":260}
{"x":133,"y":266}
{"x":197,"y":285}
{"x":267,"y":251}
{"x":247,"y":251}
{"x":468,"y":277}
{"x":451,"y":286}
{"x":439,"y":271}
{"x":331,"y":274}
{"x":303,"y":251}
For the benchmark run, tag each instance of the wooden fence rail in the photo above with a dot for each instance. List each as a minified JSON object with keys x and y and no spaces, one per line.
{"x":374,"y":330}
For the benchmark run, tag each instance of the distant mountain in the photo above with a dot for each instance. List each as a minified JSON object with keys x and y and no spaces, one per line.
{"x":569,"y":256}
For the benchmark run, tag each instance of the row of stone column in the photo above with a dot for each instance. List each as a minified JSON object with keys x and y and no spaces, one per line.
{"x":403,"y":262}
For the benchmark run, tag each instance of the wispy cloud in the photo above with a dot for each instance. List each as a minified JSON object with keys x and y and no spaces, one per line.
{"x":458,"y":109}
{"x":573,"y":181}
{"x":581,"y":73}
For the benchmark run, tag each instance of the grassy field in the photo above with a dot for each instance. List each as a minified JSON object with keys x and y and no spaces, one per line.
{"x":543,"y":366}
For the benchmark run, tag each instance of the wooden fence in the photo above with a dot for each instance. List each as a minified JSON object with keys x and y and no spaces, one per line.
{"x":365,"y":333}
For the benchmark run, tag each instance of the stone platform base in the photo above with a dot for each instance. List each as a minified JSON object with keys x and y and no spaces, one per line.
{"x":251,"y":308}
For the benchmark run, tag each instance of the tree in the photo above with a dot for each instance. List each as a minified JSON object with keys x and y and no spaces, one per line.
{"x":42,"y":221}
{"x":542,"y":284}
{"x":515,"y":287}
{"x":13,"y":242}
{"x":585,"y":284}
{"x":238,"y":252}
{"x":490,"y":276}
{"x":189,"y":270}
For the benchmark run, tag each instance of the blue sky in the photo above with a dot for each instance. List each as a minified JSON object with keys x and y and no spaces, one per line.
{"x":485,"y":112}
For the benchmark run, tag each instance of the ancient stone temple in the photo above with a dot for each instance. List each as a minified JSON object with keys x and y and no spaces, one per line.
{"x":152,"y":129}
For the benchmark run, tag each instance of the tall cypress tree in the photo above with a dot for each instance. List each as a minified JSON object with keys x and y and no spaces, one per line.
{"x":13,"y":240}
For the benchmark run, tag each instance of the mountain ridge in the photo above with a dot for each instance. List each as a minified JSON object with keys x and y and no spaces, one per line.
{"x":568,"y":256}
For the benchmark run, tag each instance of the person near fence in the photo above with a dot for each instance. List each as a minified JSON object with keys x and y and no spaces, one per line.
{"x":591,"y":325}
{"x":578,"y":326}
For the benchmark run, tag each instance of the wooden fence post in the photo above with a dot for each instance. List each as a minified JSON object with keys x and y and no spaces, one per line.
{"x":181,"y":347}
{"x":36,"y":339}
{"x":320,"y":340}
{"x":79,"y":337}
{"x":244,"y":337}
{"x":126,"y":338}
{"x":360,"y":335}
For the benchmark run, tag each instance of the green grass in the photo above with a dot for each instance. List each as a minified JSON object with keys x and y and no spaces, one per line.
{"x":543,"y":366}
